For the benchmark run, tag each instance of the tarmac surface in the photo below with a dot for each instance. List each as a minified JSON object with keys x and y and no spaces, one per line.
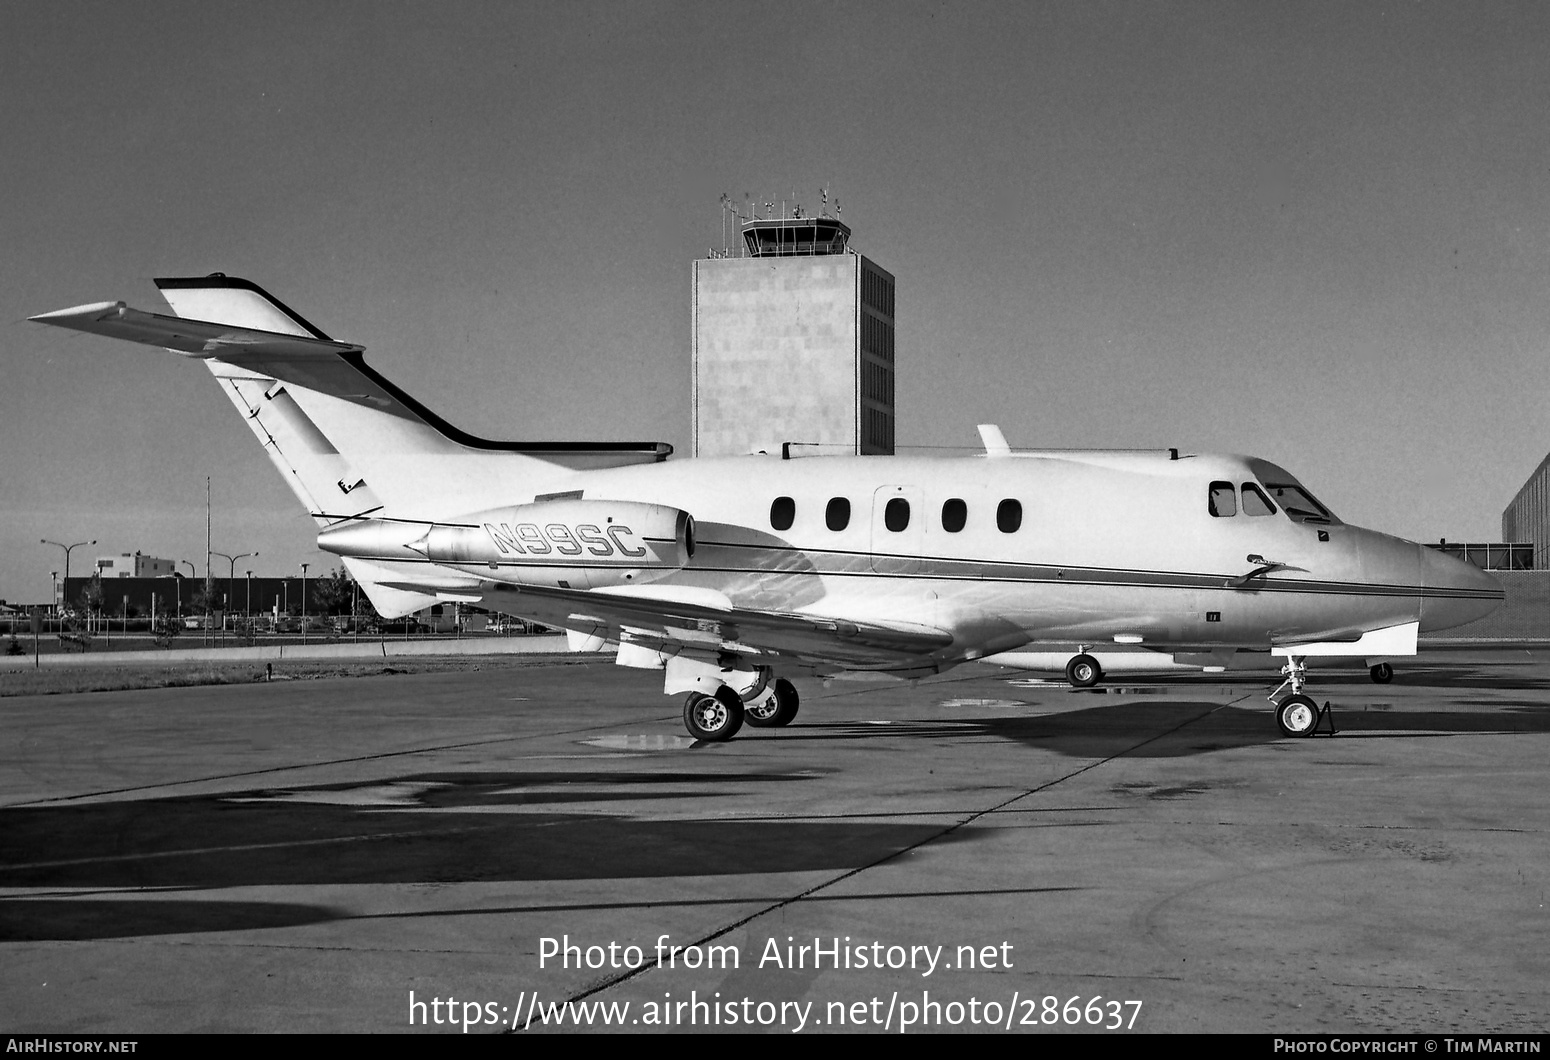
{"x":350,"y":854}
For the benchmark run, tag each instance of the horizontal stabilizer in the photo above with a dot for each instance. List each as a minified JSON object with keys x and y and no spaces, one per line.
{"x":255,"y":332}
{"x":196,"y":338}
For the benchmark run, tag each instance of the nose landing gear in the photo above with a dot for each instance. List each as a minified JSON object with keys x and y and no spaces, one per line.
{"x":1297,"y":714}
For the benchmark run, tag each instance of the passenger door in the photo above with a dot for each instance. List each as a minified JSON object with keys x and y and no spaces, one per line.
{"x":898,"y":529}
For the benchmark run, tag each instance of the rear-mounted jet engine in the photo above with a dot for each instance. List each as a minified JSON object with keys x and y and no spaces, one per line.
{"x":577,"y":544}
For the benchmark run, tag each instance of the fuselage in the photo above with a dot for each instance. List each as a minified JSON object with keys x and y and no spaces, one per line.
{"x":1169,"y":552}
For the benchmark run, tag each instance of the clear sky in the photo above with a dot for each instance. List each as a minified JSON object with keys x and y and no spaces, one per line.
{"x":1317,"y":233}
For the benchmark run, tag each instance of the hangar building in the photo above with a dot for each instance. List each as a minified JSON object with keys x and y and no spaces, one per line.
{"x":1527,"y":516}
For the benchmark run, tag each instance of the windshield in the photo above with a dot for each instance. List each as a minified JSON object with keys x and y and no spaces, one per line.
{"x":1299,"y":503}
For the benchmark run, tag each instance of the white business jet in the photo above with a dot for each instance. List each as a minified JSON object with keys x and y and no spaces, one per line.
{"x":725,"y":572}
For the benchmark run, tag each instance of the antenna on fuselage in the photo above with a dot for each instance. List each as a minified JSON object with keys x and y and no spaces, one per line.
{"x":994,"y":440}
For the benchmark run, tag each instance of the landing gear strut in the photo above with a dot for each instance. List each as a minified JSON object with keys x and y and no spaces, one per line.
{"x":1297,"y":714}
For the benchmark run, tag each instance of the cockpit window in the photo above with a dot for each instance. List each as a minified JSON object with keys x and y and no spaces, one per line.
{"x":1222,"y":500}
{"x":1255,"y":502}
{"x":1299,"y":503}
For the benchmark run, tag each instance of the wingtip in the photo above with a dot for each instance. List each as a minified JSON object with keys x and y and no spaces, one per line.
{"x":92,"y":310}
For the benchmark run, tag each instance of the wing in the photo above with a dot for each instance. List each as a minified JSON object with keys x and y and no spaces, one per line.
{"x":674,"y":619}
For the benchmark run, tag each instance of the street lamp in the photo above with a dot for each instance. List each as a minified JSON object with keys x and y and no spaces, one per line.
{"x":247,"y":607}
{"x":304,"y":567}
{"x":231,"y":576}
{"x":54,"y":574}
{"x":67,"y":548}
{"x":192,"y":573}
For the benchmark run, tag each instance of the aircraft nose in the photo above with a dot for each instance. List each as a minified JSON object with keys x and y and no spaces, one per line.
{"x":1454,"y":592}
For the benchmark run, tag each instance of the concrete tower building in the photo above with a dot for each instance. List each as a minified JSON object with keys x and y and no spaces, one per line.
{"x":792,"y":342}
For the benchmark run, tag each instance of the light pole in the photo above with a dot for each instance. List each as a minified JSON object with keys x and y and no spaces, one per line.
{"x":247,"y":606}
{"x":54,"y":574}
{"x":192,"y":573}
{"x":304,"y":567}
{"x":67,"y":548}
{"x":231,"y":576}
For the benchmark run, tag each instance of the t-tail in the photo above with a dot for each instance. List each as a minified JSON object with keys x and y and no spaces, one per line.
{"x":354,"y":448}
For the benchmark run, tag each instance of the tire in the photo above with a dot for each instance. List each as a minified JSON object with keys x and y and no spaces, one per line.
{"x":713,"y":719}
{"x":1297,"y":715}
{"x":1382,"y":674}
{"x":761,"y":712}
{"x":775,"y":711}
{"x":1083,"y":671}
{"x":787,"y":702}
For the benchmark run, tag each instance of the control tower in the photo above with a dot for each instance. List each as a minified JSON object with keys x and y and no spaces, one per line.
{"x":792,"y":342}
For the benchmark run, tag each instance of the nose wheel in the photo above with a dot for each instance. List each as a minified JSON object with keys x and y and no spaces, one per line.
{"x":1298,"y":714}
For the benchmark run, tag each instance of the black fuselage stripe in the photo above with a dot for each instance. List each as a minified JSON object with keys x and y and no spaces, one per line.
{"x":1158,"y":581}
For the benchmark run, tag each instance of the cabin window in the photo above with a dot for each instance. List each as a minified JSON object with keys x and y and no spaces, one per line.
{"x":1009,"y":516}
{"x":1299,"y":504}
{"x":955,"y":514}
{"x":896,"y":515}
{"x":783,"y":513}
{"x":1222,"y":500}
{"x":1255,"y":502}
{"x":837,"y":515}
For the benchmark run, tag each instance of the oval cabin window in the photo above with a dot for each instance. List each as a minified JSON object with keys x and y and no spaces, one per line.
{"x":896,"y":515}
{"x":955,"y":514}
{"x":837,"y":515}
{"x":1009,"y":516}
{"x":783,"y":513}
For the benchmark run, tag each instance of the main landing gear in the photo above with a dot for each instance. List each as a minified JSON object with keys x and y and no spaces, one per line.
{"x":1297,"y":714}
{"x":717,"y":718}
{"x":775,"y":710}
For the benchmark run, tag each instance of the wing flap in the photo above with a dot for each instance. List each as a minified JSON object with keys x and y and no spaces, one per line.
{"x":677,"y":618}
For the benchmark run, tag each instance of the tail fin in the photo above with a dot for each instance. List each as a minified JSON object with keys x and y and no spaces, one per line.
{"x":349,"y":443}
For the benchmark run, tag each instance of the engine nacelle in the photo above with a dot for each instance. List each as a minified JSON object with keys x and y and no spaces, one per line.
{"x":577,"y":544}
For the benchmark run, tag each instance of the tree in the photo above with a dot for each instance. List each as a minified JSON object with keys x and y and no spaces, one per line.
{"x":199,"y":600}
{"x":332,"y":593}
{"x":91,"y":597}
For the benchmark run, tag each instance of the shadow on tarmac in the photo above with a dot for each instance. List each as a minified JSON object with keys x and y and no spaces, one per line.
{"x":1181,"y":728}
{"x":452,"y":827}
{"x":426,"y":828}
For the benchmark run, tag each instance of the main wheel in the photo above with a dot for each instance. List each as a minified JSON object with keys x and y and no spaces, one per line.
{"x":1083,"y":671}
{"x":1297,"y":715}
{"x":1382,"y":674}
{"x":786,"y":702}
{"x":761,"y":712}
{"x":713,"y":718}
{"x":778,"y":709}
